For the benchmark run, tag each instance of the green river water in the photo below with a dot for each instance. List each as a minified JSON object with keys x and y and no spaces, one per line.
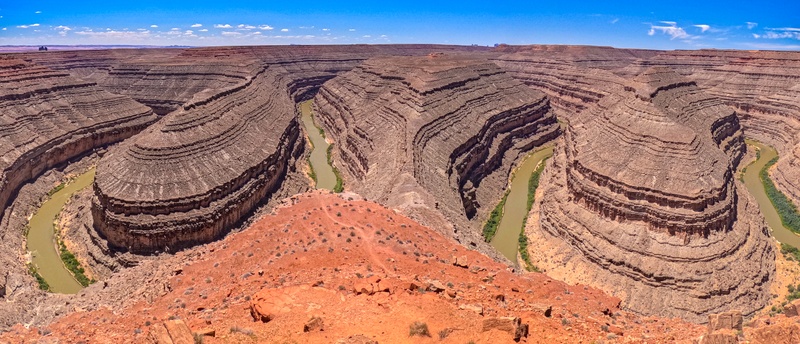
{"x":42,"y":242}
{"x":323,"y":171}
{"x":756,"y":188}
{"x":515,"y":210}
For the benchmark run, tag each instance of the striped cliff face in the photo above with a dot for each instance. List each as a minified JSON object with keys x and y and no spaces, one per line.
{"x":642,"y":202}
{"x":435,"y":134}
{"x":195,"y":174}
{"x":50,"y":117}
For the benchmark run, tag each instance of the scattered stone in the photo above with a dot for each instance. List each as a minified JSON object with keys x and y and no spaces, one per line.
{"x":314,"y":324}
{"x":512,"y":325}
{"x":731,"y":320}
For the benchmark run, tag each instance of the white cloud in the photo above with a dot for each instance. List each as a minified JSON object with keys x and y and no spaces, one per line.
{"x":38,"y":12}
{"x":702,"y":27}
{"x":188,"y":32}
{"x":751,"y":25}
{"x":351,"y":30}
{"x":4,"y":29}
{"x":673,"y":31}
{"x":116,"y":35}
{"x":257,"y":33}
{"x":27,"y":26}
{"x":326,"y":29}
{"x":306,"y":27}
{"x":265,"y":27}
{"x":197,"y":25}
{"x":175,"y":29}
{"x":615,"y":21}
{"x":204,"y":30}
{"x":230,"y":33}
{"x":670,"y":23}
{"x":223,"y":26}
{"x":284,"y":30}
{"x":62,"y":27}
{"x":367,"y":36}
{"x":154,"y":26}
{"x":755,"y":35}
{"x":781,"y":32}
{"x":384,"y":36}
{"x":245,"y":27}
{"x":784,"y":29}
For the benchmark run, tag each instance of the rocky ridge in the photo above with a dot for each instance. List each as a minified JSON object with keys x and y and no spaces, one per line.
{"x":683,"y":241}
{"x":310,"y":275}
{"x":49,"y":118}
{"x":195,"y":174}
{"x":435,"y":136}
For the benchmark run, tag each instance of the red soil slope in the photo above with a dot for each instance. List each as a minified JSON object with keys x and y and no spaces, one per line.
{"x":364,"y":270}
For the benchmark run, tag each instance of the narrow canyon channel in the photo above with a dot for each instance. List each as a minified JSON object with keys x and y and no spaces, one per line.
{"x":515,"y":210}
{"x":323,"y":172}
{"x":756,"y":188}
{"x":42,"y":242}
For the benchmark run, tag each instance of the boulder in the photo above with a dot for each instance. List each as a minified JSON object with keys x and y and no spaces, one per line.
{"x":512,"y":325}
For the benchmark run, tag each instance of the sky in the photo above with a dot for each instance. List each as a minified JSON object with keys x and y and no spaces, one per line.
{"x":650,"y":24}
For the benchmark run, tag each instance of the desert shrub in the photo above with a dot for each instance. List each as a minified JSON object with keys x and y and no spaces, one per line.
{"x":418,"y":329}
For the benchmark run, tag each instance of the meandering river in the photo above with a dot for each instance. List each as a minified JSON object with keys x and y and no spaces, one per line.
{"x":515,"y":210}
{"x":323,"y":171}
{"x":756,"y":188}
{"x":42,"y":242}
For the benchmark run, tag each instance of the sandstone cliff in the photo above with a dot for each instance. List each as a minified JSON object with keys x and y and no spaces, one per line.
{"x":49,"y":117}
{"x":641,"y":201}
{"x":196,"y":173}
{"x":435,"y":136}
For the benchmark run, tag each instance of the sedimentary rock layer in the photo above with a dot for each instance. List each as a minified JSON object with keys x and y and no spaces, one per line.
{"x":432,"y":134}
{"x":643,"y":203}
{"x":49,"y":117}
{"x":193,"y":175}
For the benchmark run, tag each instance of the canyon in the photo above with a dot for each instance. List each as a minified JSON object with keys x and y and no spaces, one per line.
{"x":640,"y":200}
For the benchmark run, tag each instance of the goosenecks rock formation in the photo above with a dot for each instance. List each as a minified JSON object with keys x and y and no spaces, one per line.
{"x":640,"y":200}
{"x":192,"y":176}
{"x":49,"y":117}
{"x":435,"y":136}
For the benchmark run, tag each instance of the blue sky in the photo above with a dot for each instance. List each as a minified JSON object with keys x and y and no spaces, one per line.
{"x":655,"y":24}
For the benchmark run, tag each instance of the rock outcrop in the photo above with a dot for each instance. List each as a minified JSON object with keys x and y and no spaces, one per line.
{"x":49,"y":118}
{"x":195,"y":174}
{"x":435,"y":134}
{"x":641,"y":201}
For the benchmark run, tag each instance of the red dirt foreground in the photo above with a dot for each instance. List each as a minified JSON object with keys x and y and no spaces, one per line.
{"x":323,"y":269}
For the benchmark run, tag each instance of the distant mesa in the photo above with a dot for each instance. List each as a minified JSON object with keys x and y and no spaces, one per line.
{"x":435,"y":137}
{"x":195,"y":174}
{"x":642,"y":203}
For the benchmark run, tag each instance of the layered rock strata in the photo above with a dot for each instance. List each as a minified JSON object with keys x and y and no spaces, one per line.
{"x":195,"y":174}
{"x":641,"y":200}
{"x":49,"y":118}
{"x":433,"y":135}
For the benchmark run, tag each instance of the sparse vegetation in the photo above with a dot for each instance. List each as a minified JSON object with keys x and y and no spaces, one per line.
{"x":56,"y":189}
{"x":73,"y":265}
{"x":783,"y":205}
{"x":39,"y":279}
{"x":311,"y":173}
{"x":444,"y":333}
{"x":198,"y":338}
{"x":339,"y":187}
{"x":245,"y":331}
{"x":490,"y":228}
{"x":418,"y":329}
{"x":533,"y":184}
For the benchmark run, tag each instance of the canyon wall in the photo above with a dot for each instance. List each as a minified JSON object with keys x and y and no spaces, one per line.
{"x":641,"y":200}
{"x":49,"y":117}
{"x":435,"y":136}
{"x":195,"y":174}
